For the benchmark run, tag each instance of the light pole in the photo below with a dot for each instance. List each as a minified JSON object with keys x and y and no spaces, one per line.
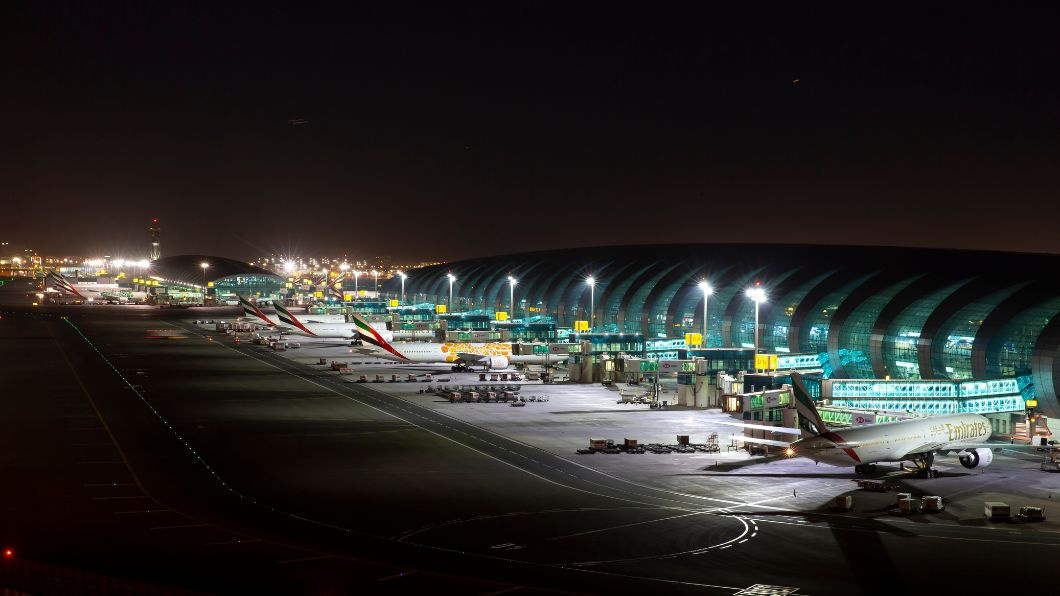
{"x":204,"y":265}
{"x":452,"y":278}
{"x":375,"y":274}
{"x":403,"y":276}
{"x":592,"y":299}
{"x":707,"y":291}
{"x":327,"y":285}
{"x":511,"y":296}
{"x":759,"y":296}
{"x":356,"y":286}
{"x":344,"y":267}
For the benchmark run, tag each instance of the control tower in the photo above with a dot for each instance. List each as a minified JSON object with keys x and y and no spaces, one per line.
{"x":156,"y":241}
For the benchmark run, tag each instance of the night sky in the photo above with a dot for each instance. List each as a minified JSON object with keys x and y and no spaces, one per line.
{"x":451,"y":132}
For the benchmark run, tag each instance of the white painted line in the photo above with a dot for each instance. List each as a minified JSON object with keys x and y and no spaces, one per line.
{"x":114,"y":498}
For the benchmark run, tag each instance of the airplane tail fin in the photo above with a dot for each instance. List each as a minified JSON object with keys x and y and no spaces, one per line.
{"x":810,"y":421}
{"x":251,"y":310}
{"x":370,"y":335}
{"x":289,"y":319}
{"x":62,"y":283}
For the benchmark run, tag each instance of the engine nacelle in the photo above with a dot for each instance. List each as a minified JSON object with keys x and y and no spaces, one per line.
{"x":498,"y":362}
{"x":975,"y":458}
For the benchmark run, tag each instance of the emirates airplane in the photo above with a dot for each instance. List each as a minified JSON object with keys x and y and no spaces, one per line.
{"x":917,"y":440}
{"x":92,"y":291}
{"x":495,"y":355}
{"x":312,"y":327}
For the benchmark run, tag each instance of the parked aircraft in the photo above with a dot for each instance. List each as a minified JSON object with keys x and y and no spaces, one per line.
{"x":94,"y":291}
{"x":917,"y":440}
{"x":289,"y":323}
{"x":494,"y":355}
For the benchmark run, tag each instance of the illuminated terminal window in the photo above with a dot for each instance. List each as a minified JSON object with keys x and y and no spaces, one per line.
{"x":900,"y":342}
{"x":613,"y":296}
{"x":854,"y":338}
{"x":815,"y":336}
{"x":1014,"y":345}
{"x":635,"y":306}
{"x":951,"y":350}
{"x":783,"y":310}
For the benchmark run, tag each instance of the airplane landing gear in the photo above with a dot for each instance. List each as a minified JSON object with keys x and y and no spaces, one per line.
{"x":923,"y":466}
{"x":865,"y":469}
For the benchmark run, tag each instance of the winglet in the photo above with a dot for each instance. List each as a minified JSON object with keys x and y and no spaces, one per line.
{"x":809,"y":418}
{"x":251,"y":310}
{"x":370,"y":335}
{"x":286,"y":317}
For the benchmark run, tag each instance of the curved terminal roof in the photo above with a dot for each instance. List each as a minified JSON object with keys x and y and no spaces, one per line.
{"x":187,"y":269}
{"x":868,"y":312}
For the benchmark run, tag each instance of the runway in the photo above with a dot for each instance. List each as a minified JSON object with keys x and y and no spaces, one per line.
{"x":200,"y":463}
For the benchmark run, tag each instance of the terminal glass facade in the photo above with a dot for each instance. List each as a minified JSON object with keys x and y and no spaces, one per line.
{"x":819,"y":320}
{"x":951,"y":352}
{"x":901,"y":341}
{"x":856,"y":333}
{"x":635,"y":306}
{"x":779,"y":331}
{"x":1015,"y":345}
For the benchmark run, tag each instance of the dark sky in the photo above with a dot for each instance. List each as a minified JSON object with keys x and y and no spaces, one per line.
{"x":449,"y":132}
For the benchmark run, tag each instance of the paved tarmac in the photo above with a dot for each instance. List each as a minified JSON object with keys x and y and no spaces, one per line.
{"x":140,"y":445}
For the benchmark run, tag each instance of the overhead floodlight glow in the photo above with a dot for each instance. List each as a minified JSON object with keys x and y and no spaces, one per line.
{"x":703,"y":285}
{"x":204,"y":264}
{"x":756,"y":294}
{"x":511,"y":280}
{"x":589,"y":280}
{"x":452,"y":277}
{"x":143,"y":264}
{"x":344,"y":266}
{"x":288,"y":266}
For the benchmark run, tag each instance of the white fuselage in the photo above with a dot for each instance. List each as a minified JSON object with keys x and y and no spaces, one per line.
{"x":451,"y":352}
{"x":894,"y":441}
{"x":313,"y":326}
{"x":102,"y":292}
{"x":307,"y":319}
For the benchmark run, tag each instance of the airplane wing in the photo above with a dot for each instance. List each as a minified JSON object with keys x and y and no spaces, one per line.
{"x":924,"y":448}
{"x":783,"y":430}
{"x":769,"y":442}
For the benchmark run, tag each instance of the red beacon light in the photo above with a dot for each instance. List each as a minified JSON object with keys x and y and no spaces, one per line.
{"x":9,"y":553}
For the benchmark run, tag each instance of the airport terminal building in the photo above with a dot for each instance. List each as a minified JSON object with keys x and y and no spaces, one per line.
{"x":896,"y":314}
{"x":188,"y":279}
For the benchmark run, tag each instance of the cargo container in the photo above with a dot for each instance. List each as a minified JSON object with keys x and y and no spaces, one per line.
{"x":932,"y":504}
{"x":996,"y":510}
{"x":907,"y":506}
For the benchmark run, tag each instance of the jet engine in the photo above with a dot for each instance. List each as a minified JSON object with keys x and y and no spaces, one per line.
{"x":498,"y":362}
{"x":974,"y":458}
